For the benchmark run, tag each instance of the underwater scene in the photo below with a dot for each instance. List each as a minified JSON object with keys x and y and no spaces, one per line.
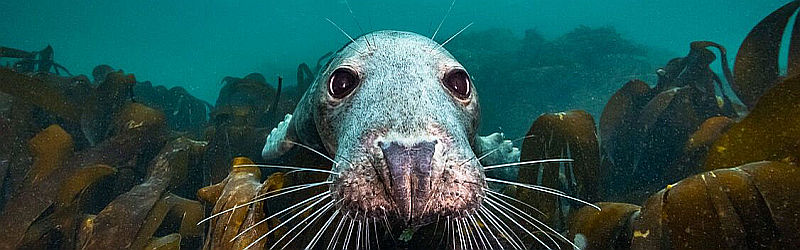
{"x":355,"y":124}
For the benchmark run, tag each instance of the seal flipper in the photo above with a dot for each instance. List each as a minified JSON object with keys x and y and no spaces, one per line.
{"x":277,"y":143}
{"x":505,"y":150}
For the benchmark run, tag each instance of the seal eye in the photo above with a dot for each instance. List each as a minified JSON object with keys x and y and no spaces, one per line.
{"x":342,"y":82}
{"x":457,"y":81}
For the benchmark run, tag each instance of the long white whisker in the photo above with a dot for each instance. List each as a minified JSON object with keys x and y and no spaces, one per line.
{"x":444,"y":18}
{"x":335,"y":236}
{"x":487,"y":225}
{"x":520,"y":213}
{"x":544,"y":190}
{"x":498,"y":206}
{"x":454,"y":35}
{"x":526,"y":163}
{"x":491,"y":203}
{"x":345,"y":33}
{"x":324,"y":195}
{"x":286,"y":167}
{"x":257,"y":199}
{"x":511,"y":236}
{"x":350,"y":231}
{"x":515,"y":199}
{"x":314,"y":215}
{"x":282,"y":223}
{"x":478,"y":231}
{"x":356,"y":21}
{"x":497,"y":148}
{"x":322,"y":231}
{"x":316,"y":152}
{"x":516,"y":223}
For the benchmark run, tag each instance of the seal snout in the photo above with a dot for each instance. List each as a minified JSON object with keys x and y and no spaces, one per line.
{"x":409,"y":166}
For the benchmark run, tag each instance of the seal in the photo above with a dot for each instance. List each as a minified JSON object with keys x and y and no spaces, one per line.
{"x":399,"y":116}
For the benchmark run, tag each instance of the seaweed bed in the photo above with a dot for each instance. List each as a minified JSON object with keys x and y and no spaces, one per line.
{"x":111,"y":162}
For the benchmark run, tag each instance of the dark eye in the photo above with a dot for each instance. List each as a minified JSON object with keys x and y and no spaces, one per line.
{"x":457,"y":81}
{"x":342,"y":82}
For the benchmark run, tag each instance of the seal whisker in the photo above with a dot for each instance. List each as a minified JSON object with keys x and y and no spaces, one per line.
{"x":454,"y":35}
{"x":514,"y":164}
{"x":375,"y":227}
{"x":314,"y":216}
{"x":369,"y":46}
{"x":366,"y":233}
{"x":515,"y":199}
{"x":345,"y":34}
{"x":286,"y":167}
{"x":544,"y":190}
{"x":519,"y":213}
{"x":283,"y":223}
{"x":507,"y":232}
{"x":444,"y":18}
{"x":478,"y":231}
{"x":488,"y":228}
{"x":491,"y":204}
{"x":498,"y":206}
{"x":461,"y":241}
{"x":470,"y":236}
{"x":358,"y":235}
{"x":257,"y":199}
{"x":319,"y":234}
{"x":321,"y":197}
{"x":317,"y":152}
{"x":349,"y":232}
{"x":335,"y":236}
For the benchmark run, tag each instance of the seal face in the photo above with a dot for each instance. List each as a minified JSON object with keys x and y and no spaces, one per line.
{"x":402,"y":135}
{"x":399,"y":114}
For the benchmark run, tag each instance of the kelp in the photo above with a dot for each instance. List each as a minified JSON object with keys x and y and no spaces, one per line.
{"x":129,"y":212}
{"x":35,"y":198}
{"x":617,"y":123}
{"x":32,"y":90}
{"x":770,"y":132}
{"x":608,"y":228}
{"x":756,"y":67}
{"x":51,"y":148}
{"x":239,"y":187}
{"x":169,"y":242}
{"x":561,"y":135}
{"x":751,"y":206}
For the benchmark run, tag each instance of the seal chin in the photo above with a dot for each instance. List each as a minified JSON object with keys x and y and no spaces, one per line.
{"x":411,"y":182}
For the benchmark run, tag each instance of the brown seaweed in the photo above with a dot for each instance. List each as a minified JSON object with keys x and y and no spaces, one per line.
{"x":770,"y":132}
{"x":608,"y":228}
{"x":756,"y":67}
{"x":241,"y":185}
{"x":34,"y":198}
{"x":128,"y":213}
{"x":39,"y":93}
{"x":169,"y":242}
{"x":751,"y":206}
{"x":51,"y":148}
{"x":561,"y":135}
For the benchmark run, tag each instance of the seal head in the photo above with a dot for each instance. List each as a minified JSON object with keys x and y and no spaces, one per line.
{"x":399,"y":114}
